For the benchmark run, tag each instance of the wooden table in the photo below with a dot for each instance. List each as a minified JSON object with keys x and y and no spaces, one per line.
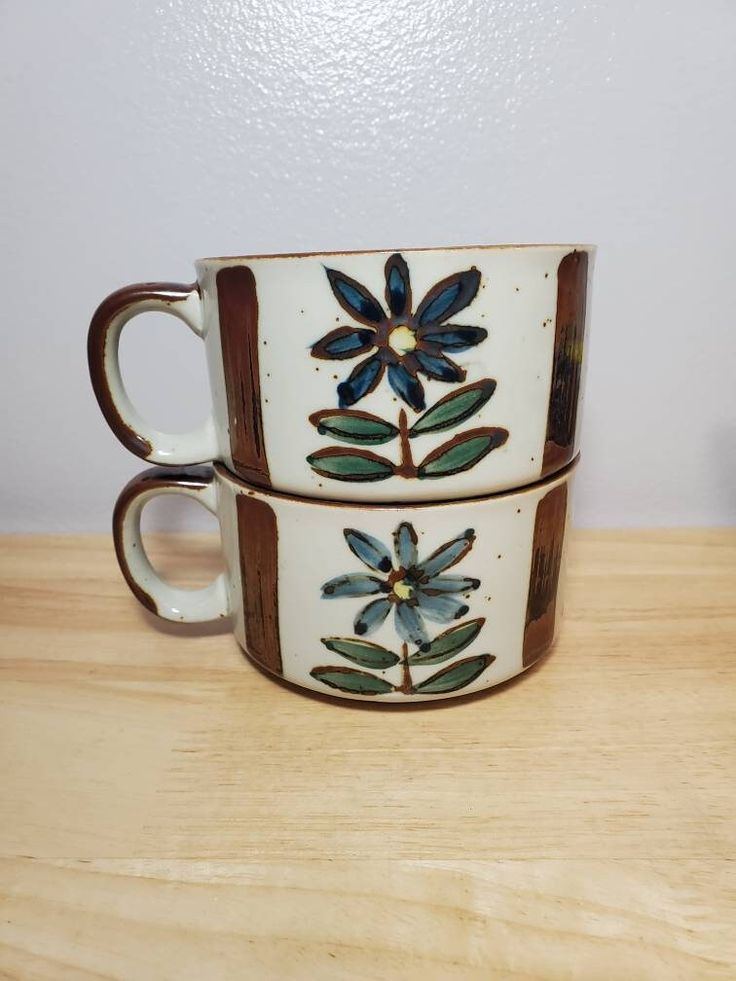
{"x":166,"y":811}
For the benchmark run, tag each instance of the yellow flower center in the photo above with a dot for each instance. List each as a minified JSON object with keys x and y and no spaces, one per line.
{"x":402,"y":339}
{"x":403,"y":589}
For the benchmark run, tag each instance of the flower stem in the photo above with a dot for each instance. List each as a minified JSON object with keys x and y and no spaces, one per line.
{"x":406,"y":467}
{"x":406,"y":682}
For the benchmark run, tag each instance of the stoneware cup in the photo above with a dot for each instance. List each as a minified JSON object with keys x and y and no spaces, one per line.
{"x":387,"y":603}
{"x":377,"y":376}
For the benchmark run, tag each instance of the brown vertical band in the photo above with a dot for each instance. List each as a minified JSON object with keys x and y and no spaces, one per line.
{"x":549,"y":534}
{"x":258,"y":544}
{"x":238,"y":307}
{"x":572,"y":280}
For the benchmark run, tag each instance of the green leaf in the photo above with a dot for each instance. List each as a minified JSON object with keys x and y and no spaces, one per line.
{"x":461,"y":452}
{"x":361,"y":652}
{"x":354,"y":682}
{"x":449,"y":643}
{"x":455,"y":676}
{"x":354,"y":465}
{"x":454,"y":408}
{"x":353,"y":426}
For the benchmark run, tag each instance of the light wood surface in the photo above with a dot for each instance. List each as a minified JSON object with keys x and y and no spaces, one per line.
{"x":167,"y":811}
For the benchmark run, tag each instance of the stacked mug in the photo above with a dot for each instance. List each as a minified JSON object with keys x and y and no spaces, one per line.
{"x":389,"y":455}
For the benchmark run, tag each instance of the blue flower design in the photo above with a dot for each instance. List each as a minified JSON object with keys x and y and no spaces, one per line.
{"x":401,"y":343}
{"x":416,"y":590}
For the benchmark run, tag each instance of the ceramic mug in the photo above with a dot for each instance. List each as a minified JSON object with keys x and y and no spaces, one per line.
{"x":415,"y":375}
{"x":394,"y":603}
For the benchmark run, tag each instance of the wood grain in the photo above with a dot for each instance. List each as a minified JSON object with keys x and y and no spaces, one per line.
{"x":170,"y":812}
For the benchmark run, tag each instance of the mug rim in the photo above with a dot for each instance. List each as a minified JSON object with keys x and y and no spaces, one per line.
{"x":222,"y":472}
{"x":535,"y":246}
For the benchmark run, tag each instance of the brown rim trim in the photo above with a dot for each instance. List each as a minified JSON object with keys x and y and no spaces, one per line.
{"x":541,"y":609}
{"x":153,"y":479}
{"x":567,"y":367}
{"x":410,"y":250}
{"x":259,"y":564}
{"x":518,"y":492}
{"x":237,"y":303}
{"x":110,"y":308}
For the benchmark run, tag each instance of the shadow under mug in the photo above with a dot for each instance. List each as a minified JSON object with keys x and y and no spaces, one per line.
{"x":395,"y":603}
{"x":418,"y":375}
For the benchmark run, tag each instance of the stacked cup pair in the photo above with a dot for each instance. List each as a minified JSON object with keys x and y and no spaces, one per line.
{"x":389,"y":455}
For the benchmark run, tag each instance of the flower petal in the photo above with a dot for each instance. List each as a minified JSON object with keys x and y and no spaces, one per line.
{"x":368,"y":549}
{"x":362,"y":380}
{"x":398,"y":285}
{"x":355,"y":298}
{"x":371,"y":617}
{"x":441,"y":609}
{"x":452,"y":337}
{"x":344,"y":342}
{"x":405,"y":545}
{"x":410,"y":626}
{"x":448,"y":296}
{"x":409,"y":389}
{"x":450,"y":584}
{"x":353,"y":584}
{"x":439,"y":367}
{"x":448,"y":554}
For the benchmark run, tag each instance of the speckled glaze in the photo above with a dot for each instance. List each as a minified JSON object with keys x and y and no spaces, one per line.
{"x":403,"y":375}
{"x":392,"y":603}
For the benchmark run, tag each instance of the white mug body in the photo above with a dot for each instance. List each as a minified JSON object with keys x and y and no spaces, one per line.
{"x":371,"y":376}
{"x":391,"y":603}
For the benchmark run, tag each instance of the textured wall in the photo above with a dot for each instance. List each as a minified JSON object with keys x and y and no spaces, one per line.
{"x":140,"y":135}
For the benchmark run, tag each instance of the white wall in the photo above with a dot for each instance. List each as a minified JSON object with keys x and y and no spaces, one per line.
{"x":139,"y":135}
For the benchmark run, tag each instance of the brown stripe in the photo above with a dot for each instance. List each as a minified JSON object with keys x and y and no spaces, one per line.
{"x":238,"y":307}
{"x":572,"y":280}
{"x":258,"y":543}
{"x":549,"y":534}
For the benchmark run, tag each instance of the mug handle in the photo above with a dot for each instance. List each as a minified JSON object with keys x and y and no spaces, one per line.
{"x":166,"y":601}
{"x":103,"y":352}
